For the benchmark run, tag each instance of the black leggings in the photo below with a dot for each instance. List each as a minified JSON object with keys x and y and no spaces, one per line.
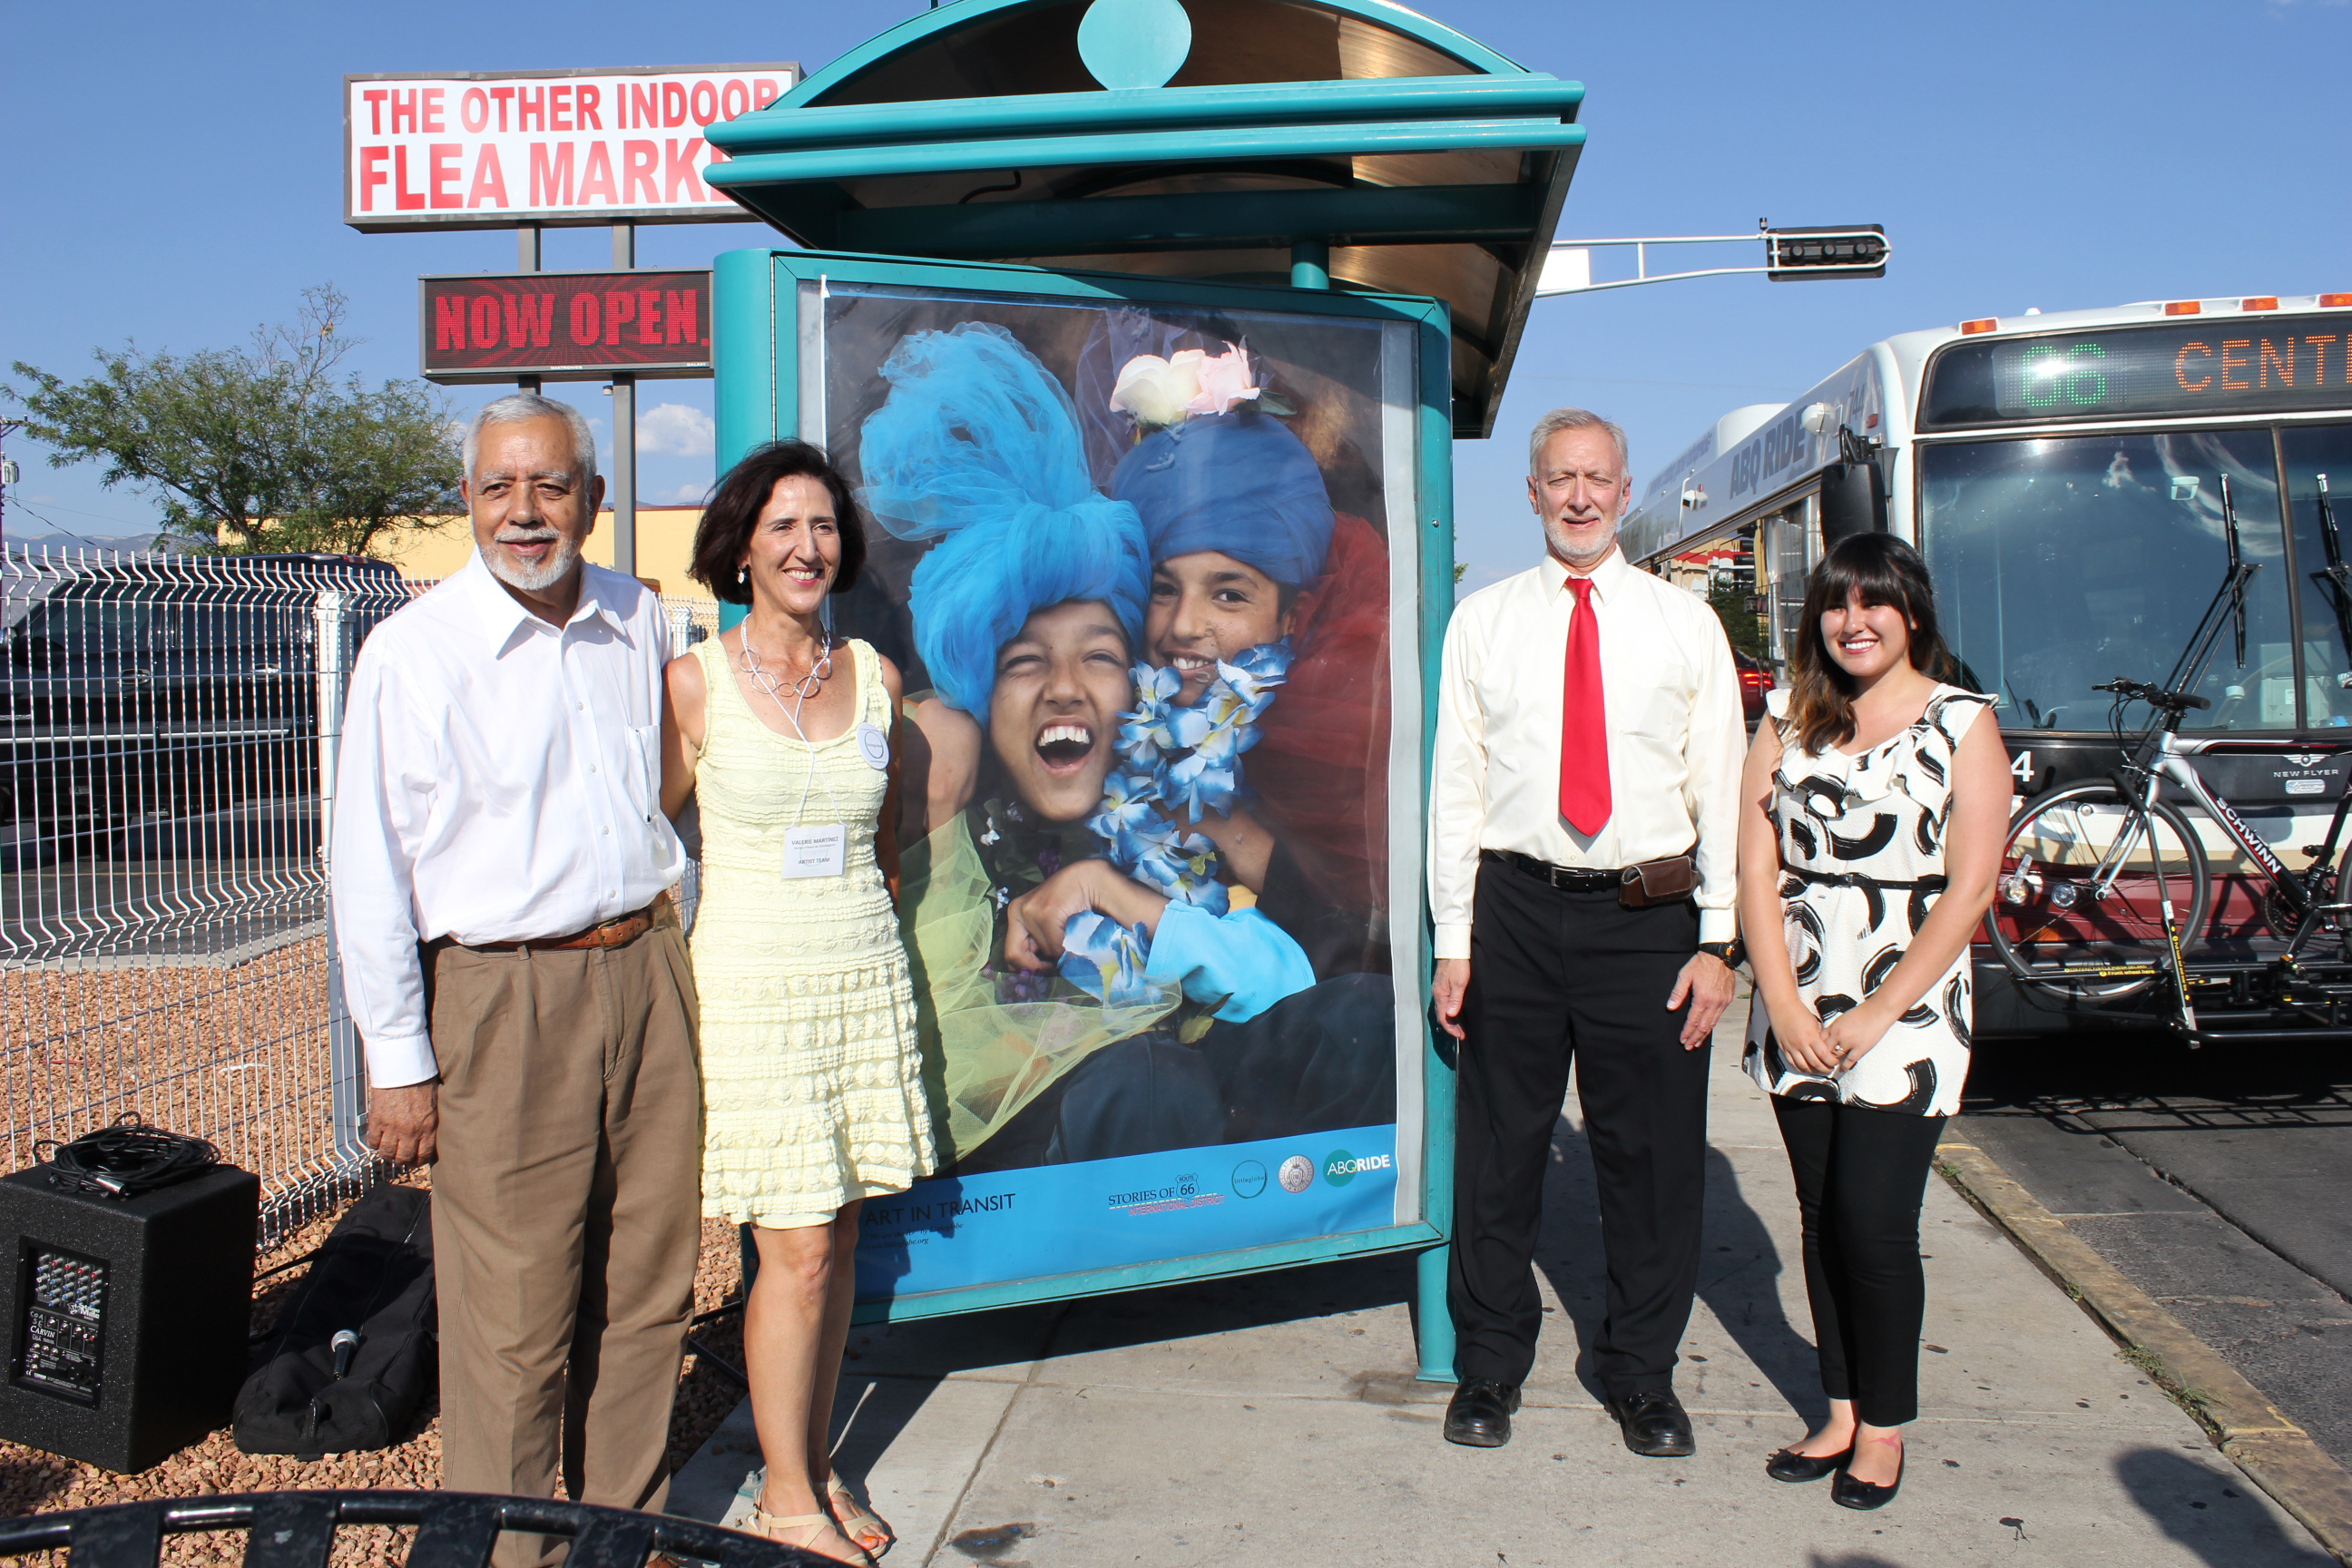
{"x":1861,"y":1175}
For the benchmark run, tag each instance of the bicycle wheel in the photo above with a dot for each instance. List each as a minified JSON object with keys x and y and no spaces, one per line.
{"x":2068,"y":933}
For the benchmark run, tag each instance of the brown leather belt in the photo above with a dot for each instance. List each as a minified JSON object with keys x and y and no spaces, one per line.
{"x":618,"y":932}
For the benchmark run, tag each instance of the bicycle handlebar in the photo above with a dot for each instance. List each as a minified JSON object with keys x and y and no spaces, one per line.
{"x":2153,"y":696}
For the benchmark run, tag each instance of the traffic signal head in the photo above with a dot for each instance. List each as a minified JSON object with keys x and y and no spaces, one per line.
{"x":1839,"y":250}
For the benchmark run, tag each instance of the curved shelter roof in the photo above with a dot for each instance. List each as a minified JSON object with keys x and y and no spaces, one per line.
{"x":1200,"y":139}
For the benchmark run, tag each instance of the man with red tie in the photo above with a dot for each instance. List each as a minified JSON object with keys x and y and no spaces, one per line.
{"x":1582,"y":824}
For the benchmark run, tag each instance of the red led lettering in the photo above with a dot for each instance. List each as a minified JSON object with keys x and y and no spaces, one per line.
{"x":682,"y":317}
{"x":551,"y":182}
{"x":598,"y":176}
{"x":529,"y":318}
{"x":489,"y":180}
{"x":372,"y":174}
{"x":679,"y":167}
{"x":640,"y":162}
{"x":584,"y":319}
{"x":2239,"y":363}
{"x":449,"y":322}
{"x":620,"y":307}
{"x":2319,"y":343}
{"x":429,"y":111}
{"x":484,"y":322}
{"x":649,"y":315}
{"x":590,"y":119}
{"x":2180,"y":359}
{"x":443,"y":167}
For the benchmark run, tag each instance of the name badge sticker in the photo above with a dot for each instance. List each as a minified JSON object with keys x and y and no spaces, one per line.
{"x":820,"y":849}
{"x":874,"y":746}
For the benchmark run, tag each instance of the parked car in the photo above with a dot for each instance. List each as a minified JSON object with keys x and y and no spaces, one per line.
{"x":1754,"y":680}
{"x":141,"y":687}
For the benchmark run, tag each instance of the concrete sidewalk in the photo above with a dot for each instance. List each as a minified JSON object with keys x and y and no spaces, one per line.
{"x":1277,"y":1416}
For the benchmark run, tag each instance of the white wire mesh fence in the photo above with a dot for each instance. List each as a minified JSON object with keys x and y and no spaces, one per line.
{"x":169,"y":741}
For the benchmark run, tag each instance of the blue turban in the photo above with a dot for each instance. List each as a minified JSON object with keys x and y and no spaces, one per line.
{"x":1237,"y":483}
{"x":978,"y":447}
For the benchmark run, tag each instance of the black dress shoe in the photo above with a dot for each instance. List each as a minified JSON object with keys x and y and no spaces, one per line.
{"x":1479,"y":1415}
{"x":1788,"y":1464}
{"x":1847,"y":1492}
{"x":1655,"y":1423}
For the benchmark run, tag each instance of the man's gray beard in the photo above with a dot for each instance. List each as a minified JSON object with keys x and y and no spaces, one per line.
{"x":1559,"y":548}
{"x":557,"y":565}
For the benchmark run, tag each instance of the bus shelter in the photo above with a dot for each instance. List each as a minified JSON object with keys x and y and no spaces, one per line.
{"x":1151,"y":323}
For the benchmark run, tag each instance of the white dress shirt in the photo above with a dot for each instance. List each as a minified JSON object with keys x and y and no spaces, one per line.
{"x":1675,"y":737}
{"x":499,"y":781}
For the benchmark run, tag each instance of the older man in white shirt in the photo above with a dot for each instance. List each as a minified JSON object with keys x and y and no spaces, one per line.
{"x":1583,"y":821}
{"x":500,"y":877}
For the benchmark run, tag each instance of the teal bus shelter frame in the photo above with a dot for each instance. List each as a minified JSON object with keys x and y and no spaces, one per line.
{"x":758,"y":341}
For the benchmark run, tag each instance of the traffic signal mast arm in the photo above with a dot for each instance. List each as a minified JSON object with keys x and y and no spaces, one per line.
{"x":1846,"y":250}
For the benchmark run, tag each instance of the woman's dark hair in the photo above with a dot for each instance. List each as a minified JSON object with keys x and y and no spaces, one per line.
{"x":1881,"y":570}
{"x":741,"y":494}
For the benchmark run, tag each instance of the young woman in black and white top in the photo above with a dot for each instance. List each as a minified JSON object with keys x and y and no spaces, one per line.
{"x":1872,"y":812}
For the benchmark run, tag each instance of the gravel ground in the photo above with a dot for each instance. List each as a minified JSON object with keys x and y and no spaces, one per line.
{"x":32,"y":1481}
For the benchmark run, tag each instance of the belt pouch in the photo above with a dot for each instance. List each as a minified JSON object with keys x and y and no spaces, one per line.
{"x":1667,"y":881}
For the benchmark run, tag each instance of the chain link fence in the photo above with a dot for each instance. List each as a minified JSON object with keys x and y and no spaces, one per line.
{"x":170,"y":736}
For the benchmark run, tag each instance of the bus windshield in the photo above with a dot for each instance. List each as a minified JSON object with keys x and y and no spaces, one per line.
{"x":2063,"y":562}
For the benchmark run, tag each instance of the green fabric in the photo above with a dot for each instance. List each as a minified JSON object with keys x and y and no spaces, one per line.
{"x":986,"y":1058}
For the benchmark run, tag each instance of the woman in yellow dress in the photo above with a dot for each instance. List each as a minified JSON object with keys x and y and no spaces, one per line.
{"x":812,"y":1098}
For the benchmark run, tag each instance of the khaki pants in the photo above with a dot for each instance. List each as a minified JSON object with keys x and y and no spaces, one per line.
{"x":566,"y":1216}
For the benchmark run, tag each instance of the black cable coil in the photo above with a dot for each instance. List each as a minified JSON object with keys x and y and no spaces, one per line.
{"x":127,"y":1159}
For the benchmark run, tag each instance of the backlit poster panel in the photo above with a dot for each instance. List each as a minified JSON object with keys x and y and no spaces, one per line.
{"x":1134,"y":563}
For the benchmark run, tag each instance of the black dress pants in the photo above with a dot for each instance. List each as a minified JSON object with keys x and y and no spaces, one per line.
{"x":1557,"y":977}
{"x":1861,"y":1173}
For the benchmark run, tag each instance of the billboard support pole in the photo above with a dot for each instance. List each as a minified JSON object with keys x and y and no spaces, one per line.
{"x":526,"y":258}
{"x":625,"y":431}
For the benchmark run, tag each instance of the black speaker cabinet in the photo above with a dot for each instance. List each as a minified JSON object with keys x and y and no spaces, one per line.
{"x":127,"y":1320}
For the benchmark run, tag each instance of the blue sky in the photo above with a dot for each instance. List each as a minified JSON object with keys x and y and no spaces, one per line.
{"x":176,"y":179}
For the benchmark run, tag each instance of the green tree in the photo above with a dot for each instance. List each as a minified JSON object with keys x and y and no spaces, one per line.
{"x":258,"y":448}
{"x":1740,"y":623}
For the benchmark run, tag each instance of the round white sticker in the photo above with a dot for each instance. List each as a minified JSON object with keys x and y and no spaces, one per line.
{"x":874,"y":746}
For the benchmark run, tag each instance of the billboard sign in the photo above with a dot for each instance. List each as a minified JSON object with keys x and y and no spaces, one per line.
{"x":564,"y":326}
{"x":492,"y":150}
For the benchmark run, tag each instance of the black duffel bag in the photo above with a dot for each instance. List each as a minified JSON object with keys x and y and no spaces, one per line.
{"x":372,"y":1279}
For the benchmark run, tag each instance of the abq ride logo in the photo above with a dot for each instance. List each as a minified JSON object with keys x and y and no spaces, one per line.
{"x":1339,"y":1167}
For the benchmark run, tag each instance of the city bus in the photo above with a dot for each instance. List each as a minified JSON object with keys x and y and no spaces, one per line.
{"x":2070,"y":479}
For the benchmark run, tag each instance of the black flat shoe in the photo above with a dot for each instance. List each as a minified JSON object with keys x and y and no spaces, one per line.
{"x":1655,"y":1423}
{"x":1847,"y":1492}
{"x":1788,"y":1464}
{"x":1479,"y":1415}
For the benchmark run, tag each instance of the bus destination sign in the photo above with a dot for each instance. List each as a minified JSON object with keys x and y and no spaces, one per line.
{"x":2230,"y":364}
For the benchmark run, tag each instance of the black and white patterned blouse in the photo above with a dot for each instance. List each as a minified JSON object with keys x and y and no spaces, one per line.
{"x":1862,"y":857}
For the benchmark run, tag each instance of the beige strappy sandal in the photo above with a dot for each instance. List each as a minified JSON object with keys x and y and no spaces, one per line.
{"x":857,"y":1522}
{"x":768,"y":1524}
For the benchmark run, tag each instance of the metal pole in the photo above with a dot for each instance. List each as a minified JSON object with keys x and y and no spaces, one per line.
{"x":625,"y":432}
{"x":527,"y":260}
{"x":1311,"y":264}
{"x":347,"y":1072}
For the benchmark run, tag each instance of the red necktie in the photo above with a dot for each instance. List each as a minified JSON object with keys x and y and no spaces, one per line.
{"x":1583,"y":721}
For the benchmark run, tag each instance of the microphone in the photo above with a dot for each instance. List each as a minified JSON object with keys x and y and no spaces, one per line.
{"x":346,"y":1344}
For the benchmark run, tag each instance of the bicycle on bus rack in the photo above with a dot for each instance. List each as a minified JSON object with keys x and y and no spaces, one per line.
{"x":2084,"y":914}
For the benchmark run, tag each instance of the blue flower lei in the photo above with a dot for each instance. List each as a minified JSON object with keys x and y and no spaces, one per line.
{"x":1175,"y":763}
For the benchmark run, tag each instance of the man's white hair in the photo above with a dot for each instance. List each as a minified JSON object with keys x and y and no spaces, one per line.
{"x":1560,"y":420}
{"x":517,"y":407}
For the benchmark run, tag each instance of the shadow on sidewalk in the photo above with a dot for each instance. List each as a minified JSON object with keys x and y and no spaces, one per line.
{"x":1738,"y":1272}
{"x":2219,"y":1523}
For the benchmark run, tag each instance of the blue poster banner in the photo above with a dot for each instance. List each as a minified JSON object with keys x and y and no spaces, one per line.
{"x":1061,"y":1219}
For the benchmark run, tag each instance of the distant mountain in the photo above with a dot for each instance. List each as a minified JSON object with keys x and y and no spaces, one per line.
{"x":66,"y":543}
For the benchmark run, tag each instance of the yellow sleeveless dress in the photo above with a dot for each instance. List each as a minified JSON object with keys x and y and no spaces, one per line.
{"x":812,"y":1072}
